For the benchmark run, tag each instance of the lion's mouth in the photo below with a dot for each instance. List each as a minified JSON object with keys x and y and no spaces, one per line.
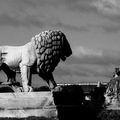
{"x":63,"y":58}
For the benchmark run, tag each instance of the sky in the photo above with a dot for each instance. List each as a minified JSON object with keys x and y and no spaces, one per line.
{"x":92,"y":28}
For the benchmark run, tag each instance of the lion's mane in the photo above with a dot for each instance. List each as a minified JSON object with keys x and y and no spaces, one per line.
{"x":50,"y":46}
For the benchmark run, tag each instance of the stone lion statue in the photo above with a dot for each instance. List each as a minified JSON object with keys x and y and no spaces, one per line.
{"x":39,"y":56}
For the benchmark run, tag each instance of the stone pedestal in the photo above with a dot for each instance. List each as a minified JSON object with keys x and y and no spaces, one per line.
{"x":17,"y":104}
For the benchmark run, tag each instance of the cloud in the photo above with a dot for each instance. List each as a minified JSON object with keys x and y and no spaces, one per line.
{"x":111,"y":28}
{"x":71,"y":27}
{"x":54,"y":13}
{"x":83,"y":72}
{"x":42,"y":13}
{"x":81,"y":6}
{"x":7,"y":20}
{"x":82,"y":55}
{"x":109,"y":11}
{"x":88,"y":65}
{"x":84,"y":51}
{"x":37,"y":13}
{"x":106,"y":27}
{"x":109,"y":7}
{"x":20,"y":13}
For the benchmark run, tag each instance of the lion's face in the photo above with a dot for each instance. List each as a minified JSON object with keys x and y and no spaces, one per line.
{"x":66,"y":49}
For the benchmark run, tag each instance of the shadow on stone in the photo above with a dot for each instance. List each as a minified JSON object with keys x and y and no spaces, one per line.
{"x":42,"y":88}
{"x":93,"y":107}
{"x":5,"y":89}
{"x":71,"y":103}
{"x":109,"y":115}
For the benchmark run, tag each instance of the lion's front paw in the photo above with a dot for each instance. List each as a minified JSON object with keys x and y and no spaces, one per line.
{"x":57,"y":89}
{"x":30,"y":89}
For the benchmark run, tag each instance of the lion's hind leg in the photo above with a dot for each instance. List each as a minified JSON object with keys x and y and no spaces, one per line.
{"x":50,"y":81}
{"x":11,"y":75}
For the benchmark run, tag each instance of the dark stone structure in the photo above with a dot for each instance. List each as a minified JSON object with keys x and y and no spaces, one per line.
{"x":71,"y":103}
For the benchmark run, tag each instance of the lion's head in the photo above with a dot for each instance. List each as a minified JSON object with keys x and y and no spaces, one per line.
{"x":51,"y":46}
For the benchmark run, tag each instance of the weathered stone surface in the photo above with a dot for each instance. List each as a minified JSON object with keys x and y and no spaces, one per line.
{"x":112,"y":95}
